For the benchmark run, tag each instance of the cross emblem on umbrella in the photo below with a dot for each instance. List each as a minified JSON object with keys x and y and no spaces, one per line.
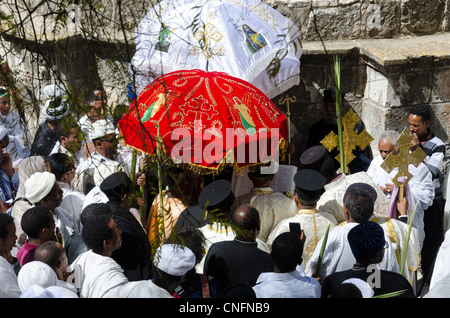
{"x":351,"y":139}
{"x":201,"y":109}
{"x":206,"y":36}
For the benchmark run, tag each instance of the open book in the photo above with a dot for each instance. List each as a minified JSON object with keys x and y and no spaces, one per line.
{"x":283,"y":181}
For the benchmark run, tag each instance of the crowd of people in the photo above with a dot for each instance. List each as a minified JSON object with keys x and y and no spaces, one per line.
{"x":73,"y":223}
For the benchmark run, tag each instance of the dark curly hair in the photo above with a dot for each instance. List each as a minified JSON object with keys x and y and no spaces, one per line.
{"x":95,"y":231}
{"x":422,"y":111}
{"x":60,"y":164}
{"x":5,"y":220}
{"x":35,"y":219}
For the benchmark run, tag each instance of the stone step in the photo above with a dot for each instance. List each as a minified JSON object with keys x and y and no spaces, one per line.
{"x":387,"y":52}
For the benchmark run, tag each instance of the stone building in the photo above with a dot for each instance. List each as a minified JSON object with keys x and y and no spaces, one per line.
{"x":394,"y":54}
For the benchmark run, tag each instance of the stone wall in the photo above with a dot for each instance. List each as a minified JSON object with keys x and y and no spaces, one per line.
{"x":363,"y":19}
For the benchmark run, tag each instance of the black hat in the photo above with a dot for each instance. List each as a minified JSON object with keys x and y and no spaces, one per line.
{"x":116,"y":185}
{"x":329,"y":95}
{"x":315,"y":158}
{"x":366,"y":239}
{"x":362,"y":186}
{"x":309,"y":184}
{"x":217,"y":195}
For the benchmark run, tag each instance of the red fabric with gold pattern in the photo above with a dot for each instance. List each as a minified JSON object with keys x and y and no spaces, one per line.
{"x":202,"y":116}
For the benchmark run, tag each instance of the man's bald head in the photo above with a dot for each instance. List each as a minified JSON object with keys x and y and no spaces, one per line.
{"x":246,"y":222}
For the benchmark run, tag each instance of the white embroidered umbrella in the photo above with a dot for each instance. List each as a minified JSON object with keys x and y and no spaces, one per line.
{"x":246,"y":39}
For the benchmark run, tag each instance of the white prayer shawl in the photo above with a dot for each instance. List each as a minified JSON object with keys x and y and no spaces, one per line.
{"x":332,"y":199}
{"x":101,"y":277}
{"x":421,"y":188}
{"x":338,"y":255}
{"x":9,"y":287}
{"x":17,"y":151}
{"x":94,"y":196}
{"x":145,"y":289}
{"x":441,"y":265}
{"x":85,"y":171}
{"x":272,"y":207}
{"x":286,"y":285}
{"x":218,"y":232}
{"x":441,"y":289}
{"x":16,"y":128}
{"x":65,"y":222}
{"x":72,"y":202}
{"x":313,"y":223}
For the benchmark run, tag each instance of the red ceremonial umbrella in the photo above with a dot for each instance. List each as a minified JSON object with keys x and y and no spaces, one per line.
{"x":205,"y":119}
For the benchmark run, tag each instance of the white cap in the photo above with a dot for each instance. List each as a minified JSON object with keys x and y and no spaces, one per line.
{"x":36,"y":273}
{"x":101,"y":128}
{"x":174,"y":259}
{"x":38,"y":185}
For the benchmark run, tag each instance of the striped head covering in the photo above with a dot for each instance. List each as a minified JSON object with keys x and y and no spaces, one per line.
{"x":4,"y":91}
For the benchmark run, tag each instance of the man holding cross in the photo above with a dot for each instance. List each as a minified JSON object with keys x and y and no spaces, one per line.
{"x":420,"y":186}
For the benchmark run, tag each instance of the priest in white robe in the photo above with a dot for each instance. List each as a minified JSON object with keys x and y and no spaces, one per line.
{"x":273,"y":207}
{"x":420,"y":186}
{"x":317,"y":158}
{"x":441,"y":265}
{"x":314,"y":223}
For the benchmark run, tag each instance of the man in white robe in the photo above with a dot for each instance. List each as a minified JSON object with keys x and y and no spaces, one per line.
{"x":338,"y":256}
{"x":441,"y":265}
{"x":97,"y":275}
{"x":273,"y":207}
{"x":103,"y":135}
{"x":70,"y":143}
{"x":104,"y":170}
{"x":11,"y":120}
{"x":42,"y":189}
{"x":336,"y":185}
{"x":9,"y":287}
{"x":420,"y":186}
{"x":63,"y":167}
{"x":308,"y":188}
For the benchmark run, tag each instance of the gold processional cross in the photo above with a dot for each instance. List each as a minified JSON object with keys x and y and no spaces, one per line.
{"x":350,"y":139}
{"x":401,"y":161}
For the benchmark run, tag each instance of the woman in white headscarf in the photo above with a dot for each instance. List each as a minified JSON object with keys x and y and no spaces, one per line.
{"x":27,"y":167}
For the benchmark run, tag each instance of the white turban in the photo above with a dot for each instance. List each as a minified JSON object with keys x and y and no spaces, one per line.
{"x":56,"y":106}
{"x":36,"y":291}
{"x":53,"y":90}
{"x":101,"y":128}
{"x":174,"y":259}
{"x":38,"y":185}
{"x":36,"y":273}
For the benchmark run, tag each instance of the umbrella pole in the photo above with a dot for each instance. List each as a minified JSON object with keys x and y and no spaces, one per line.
{"x":287,"y":100}
{"x":141,"y":188}
{"x":337,"y":74}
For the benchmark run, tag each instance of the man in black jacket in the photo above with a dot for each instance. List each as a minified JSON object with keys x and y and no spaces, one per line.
{"x":135,"y":254}
{"x":239,"y":261}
